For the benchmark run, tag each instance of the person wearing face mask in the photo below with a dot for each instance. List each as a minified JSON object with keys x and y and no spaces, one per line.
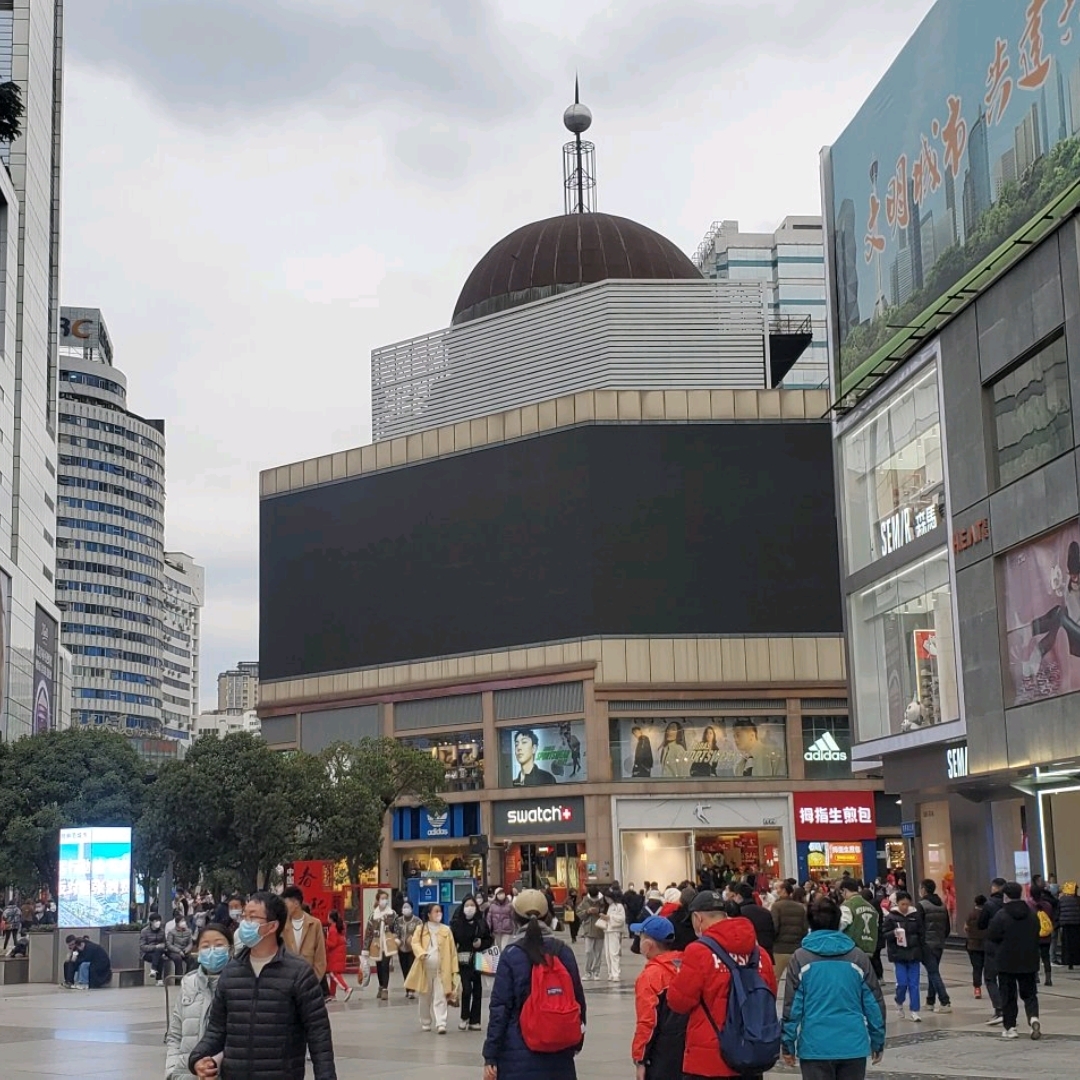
{"x":500,"y":918}
{"x":152,"y":947}
{"x":335,"y":955}
{"x":432,"y":976}
{"x":381,"y":938}
{"x":588,"y":911}
{"x":472,"y":935}
{"x":408,"y":924}
{"x":187,"y":1023}
{"x":304,"y":933}
{"x":178,"y":942}
{"x":268,"y":1008}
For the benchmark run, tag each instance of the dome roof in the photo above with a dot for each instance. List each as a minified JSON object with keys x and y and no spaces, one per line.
{"x":566,"y":252}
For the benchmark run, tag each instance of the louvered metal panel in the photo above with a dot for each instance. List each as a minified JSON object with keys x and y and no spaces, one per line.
{"x":727,"y":705}
{"x":554,"y":699}
{"x":613,"y":335}
{"x":438,"y":712}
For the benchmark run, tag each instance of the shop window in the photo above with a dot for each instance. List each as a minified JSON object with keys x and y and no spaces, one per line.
{"x":538,"y":755}
{"x":462,"y":754}
{"x":903,"y":664}
{"x":698,"y":747}
{"x":892,"y":476}
{"x":1032,"y":412}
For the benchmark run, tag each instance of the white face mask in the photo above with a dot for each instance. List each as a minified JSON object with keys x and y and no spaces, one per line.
{"x":406,"y":912}
{"x":470,"y":910}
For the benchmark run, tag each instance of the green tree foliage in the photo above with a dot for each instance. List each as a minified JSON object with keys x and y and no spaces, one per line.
{"x":11,"y":111}
{"x":57,"y":780}
{"x":357,"y":784}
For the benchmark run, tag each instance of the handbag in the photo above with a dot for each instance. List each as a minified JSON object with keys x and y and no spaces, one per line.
{"x":601,"y":924}
{"x":487,"y":962}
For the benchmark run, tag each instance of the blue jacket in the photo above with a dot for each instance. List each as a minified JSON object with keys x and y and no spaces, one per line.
{"x":833,"y":1008}
{"x":504,"y":1045}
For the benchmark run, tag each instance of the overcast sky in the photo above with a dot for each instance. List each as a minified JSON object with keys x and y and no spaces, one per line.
{"x":258,"y":192}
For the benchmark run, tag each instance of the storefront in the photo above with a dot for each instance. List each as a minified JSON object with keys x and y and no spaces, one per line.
{"x":430,"y":843}
{"x":835,"y":835}
{"x":668,"y":840}
{"x":460,"y":752}
{"x":900,"y":617}
{"x":543,"y":843}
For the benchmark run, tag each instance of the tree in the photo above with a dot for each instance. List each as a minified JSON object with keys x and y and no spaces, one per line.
{"x":58,"y":780}
{"x":11,"y":111}
{"x":360,"y":783}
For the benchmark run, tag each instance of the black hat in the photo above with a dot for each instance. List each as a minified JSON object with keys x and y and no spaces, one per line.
{"x":707,"y":900}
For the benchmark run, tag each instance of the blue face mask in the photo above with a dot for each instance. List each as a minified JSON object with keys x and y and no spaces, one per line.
{"x":247,"y":933}
{"x":213,"y":958}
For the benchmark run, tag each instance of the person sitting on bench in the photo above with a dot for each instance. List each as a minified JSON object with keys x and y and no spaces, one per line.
{"x":89,"y":967}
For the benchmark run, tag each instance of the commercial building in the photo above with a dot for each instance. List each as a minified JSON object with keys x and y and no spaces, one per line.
{"x":31,"y":52}
{"x":221,"y":724}
{"x":238,"y":689}
{"x":185,"y":594}
{"x":110,"y":536}
{"x":956,"y":421}
{"x":791,"y":263}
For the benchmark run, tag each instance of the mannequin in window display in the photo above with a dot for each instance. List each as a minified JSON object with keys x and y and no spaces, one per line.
{"x":1064,"y":616}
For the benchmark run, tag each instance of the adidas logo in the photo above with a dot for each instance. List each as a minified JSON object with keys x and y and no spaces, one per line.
{"x":825,"y":748}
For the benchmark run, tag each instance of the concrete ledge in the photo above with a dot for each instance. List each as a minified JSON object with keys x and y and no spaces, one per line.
{"x":14,"y":970}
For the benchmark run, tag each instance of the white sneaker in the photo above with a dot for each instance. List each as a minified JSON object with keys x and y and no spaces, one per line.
{"x":1009,"y":1033}
{"x":463,"y":1025}
{"x":943,"y":1008}
{"x":994,"y":1020}
{"x":441,"y":1030}
{"x":915,"y":1018}
{"x":425,"y":1027}
{"x":347,"y":994}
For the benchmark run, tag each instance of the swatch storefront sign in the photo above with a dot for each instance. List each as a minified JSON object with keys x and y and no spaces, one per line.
{"x":539,"y":817}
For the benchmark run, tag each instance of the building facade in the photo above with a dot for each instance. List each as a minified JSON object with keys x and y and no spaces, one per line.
{"x":791,"y":264}
{"x":110,"y":544}
{"x":956,"y":456}
{"x":238,"y":689}
{"x":31,"y":52}
{"x":185,"y":594}
{"x":220,"y":724}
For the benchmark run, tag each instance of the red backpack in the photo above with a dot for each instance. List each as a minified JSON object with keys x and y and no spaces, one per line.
{"x":551,"y":1017}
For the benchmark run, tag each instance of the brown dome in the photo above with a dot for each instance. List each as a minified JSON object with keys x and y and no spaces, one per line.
{"x":566,"y":252}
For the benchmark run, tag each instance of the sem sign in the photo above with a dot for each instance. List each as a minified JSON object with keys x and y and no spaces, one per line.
{"x":956,"y":762}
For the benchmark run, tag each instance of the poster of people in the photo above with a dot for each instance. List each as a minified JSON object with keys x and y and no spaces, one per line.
{"x":540,"y":755}
{"x":1042,"y":616}
{"x":702,"y":747}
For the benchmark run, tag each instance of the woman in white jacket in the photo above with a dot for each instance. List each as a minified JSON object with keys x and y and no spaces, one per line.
{"x":615,"y":916}
{"x":187,"y":1024}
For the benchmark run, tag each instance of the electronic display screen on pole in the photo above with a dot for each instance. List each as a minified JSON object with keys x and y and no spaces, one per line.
{"x":95,"y":876}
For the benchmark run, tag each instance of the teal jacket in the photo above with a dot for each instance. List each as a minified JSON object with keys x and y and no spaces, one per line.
{"x":833,"y":1008}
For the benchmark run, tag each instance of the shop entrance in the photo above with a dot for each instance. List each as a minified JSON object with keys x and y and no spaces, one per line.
{"x":747,"y":852}
{"x":560,"y":867}
{"x":671,"y":856}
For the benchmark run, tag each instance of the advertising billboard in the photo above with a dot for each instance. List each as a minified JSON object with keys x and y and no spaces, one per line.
{"x":44,"y":671}
{"x":84,"y":328}
{"x":95,"y":876}
{"x":962,"y":148}
{"x":1041,"y":585}
{"x":826,"y":747}
{"x":5,"y":642}
{"x":535,"y":755}
{"x":701,"y":747}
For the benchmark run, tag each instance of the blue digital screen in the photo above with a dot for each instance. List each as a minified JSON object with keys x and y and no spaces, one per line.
{"x":95,"y":876}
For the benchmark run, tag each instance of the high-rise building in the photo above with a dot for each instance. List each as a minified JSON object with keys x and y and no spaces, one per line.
{"x":30,"y":55}
{"x":238,"y":690}
{"x":185,"y":589}
{"x":110,"y":536}
{"x":847,"y":267}
{"x":791,"y":263}
{"x":979,"y":169}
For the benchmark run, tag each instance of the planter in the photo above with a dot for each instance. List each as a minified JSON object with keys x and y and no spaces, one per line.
{"x":122,"y":947}
{"x":41,"y":954}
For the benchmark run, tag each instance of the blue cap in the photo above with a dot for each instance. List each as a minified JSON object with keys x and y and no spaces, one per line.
{"x":656,"y":927}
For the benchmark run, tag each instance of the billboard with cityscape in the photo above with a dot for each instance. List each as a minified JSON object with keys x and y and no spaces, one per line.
{"x":95,"y":876}
{"x":967,"y":140}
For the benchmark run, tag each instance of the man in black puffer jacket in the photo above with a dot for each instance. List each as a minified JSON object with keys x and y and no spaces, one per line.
{"x":938,"y":928}
{"x":762,"y":920}
{"x":268,"y":1010}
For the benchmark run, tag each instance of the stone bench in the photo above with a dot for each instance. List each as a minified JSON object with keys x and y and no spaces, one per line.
{"x":14,"y":970}
{"x":125,"y":977}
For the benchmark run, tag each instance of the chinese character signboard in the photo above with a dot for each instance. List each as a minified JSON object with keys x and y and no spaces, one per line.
{"x":834,"y":815}
{"x":966,"y":140}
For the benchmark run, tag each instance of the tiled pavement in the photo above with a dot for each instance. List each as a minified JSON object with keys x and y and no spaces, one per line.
{"x":117,"y":1035}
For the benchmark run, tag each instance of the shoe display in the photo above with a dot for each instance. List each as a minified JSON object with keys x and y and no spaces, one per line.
{"x":1036,"y":1028}
{"x":1009,"y":1033}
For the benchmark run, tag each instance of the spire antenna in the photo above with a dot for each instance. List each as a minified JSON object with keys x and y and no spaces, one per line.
{"x":579,"y":159}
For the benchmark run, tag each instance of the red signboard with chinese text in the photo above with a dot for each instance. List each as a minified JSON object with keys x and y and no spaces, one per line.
{"x":834,"y":815}
{"x":316,"y":880}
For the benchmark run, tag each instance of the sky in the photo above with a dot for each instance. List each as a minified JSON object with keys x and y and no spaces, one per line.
{"x":256,"y":193}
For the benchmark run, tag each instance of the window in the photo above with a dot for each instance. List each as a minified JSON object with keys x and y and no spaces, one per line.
{"x":1032,"y":412}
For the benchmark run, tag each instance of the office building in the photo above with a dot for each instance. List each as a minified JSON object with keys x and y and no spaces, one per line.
{"x":238,"y":690}
{"x":110,"y":536}
{"x":185,"y":593}
{"x":791,"y":263}
{"x":31,"y":51}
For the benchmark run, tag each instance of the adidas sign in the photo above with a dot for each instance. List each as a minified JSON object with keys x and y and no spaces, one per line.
{"x":825,"y":748}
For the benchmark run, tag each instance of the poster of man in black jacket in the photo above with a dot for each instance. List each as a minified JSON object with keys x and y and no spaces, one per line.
{"x":268,"y":1010}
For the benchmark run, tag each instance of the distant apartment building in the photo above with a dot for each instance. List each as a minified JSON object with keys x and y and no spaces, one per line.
{"x":185,"y":593}
{"x":791,"y":262}
{"x":238,"y":689}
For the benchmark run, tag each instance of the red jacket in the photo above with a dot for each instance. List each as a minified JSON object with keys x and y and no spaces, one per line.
{"x":335,"y":950}
{"x":654,"y":979}
{"x":703,"y":978}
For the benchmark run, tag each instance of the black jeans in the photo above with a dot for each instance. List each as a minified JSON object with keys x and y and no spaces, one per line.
{"x":472,"y":993}
{"x":1027,"y":988}
{"x":156,"y":959}
{"x":10,"y":934}
{"x":573,"y":927}
{"x":1044,"y":954}
{"x":70,"y":967}
{"x":845,"y":1069}
{"x":875,"y":964}
{"x":382,"y":972}
{"x":977,"y":960}
{"x":406,"y":959}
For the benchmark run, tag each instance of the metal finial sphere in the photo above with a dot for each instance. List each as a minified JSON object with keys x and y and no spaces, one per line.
{"x":577,"y":119}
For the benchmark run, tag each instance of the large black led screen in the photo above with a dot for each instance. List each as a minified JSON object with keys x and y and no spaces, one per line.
{"x":648,"y":529}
